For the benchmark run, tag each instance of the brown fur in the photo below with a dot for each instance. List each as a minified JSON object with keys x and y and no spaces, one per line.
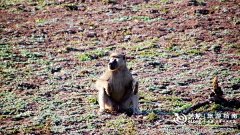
{"x":216,"y":89}
{"x":117,"y":89}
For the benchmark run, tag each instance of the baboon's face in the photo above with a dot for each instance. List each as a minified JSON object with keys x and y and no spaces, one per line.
{"x":117,"y":61}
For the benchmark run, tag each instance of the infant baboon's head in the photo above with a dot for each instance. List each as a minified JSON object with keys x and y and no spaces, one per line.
{"x":117,"y":62}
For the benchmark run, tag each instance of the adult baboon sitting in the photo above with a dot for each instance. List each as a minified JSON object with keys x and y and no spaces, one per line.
{"x":117,"y":88}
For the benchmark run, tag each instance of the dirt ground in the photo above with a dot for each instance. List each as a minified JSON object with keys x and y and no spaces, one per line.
{"x":52,"y":52}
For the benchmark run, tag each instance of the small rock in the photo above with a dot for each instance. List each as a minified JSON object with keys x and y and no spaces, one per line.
{"x":154,"y":11}
{"x":56,"y":69}
{"x":27,"y":86}
{"x":80,"y":29}
{"x":71,"y":7}
{"x":72,"y":31}
{"x":162,"y":87}
{"x":202,"y":11}
{"x":127,"y":38}
{"x":193,"y":2}
{"x":155,"y":64}
{"x":91,"y":34}
{"x":216,"y":49}
{"x":236,"y":86}
{"x":185,"y":65}
{"x":181,"y":83}
{"x":186,"y":99}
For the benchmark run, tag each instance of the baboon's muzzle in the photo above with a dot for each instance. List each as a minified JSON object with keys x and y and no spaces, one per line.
{"x":112,"y":65}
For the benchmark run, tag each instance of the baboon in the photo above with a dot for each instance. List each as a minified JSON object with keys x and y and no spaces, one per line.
{"x":117,"y":88}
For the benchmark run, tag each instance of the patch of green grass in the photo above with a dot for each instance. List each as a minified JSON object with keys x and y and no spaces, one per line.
{"x":155,"y":5}
{"x":32,"y":129}
{"x":75,"y":42}
{"x":29,"y":54}
{"x":3,"y":3}
{"x":122,"y":126}
{"x":150,"y":53}
{"x":203,"y":108}
{"x":147,"y":19}
{"x":198,"y":87}
{"x":90,"y":43}
{"x":215,"y":7}
{"x":143,"y":18}
{"x":226,"y":32}
{"x":165,"y":1}
{"x":84,"y":57}
{"x":44,"y":62}
{"x":13,"y":2}
{"x":236,"y":21}
{"x":24,"y":115}
{"x":215,"y":107}
{"x":93,"y":100}
{"x":138,"y":47}
{"x":195,"y":52}
{"x":172,"y":98}
{"x":166,"y":91}
{"x":136,"y":40}
{"x":1,"y":117}
{"x":5,"y":51}
{"x":152,"y":116}
{"x":235,"y":45}
{"x":164,"y":11}
{"x":136,"y":8}
{"x":122,"y":19}
{"x":11,"y":131}
{"x":5,"y":47}
{"x":148,"y":96}
{"x":98,"y":52}
{"x":39,"y":21}
{"x":147,"y":45}
{"x":1,"y":27}
{"x":109,"y":1}
{"x":181,"y":107}
{"x":11,"y":104}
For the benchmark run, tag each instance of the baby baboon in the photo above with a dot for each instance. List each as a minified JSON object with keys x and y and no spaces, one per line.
{"x":117,"y":89}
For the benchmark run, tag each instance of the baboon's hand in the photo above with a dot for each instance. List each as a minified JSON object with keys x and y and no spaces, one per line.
{"x":135,"y":87}
{"x":107,"y":89}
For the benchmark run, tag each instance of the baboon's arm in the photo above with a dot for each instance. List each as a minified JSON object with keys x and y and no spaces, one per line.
{"x":135,"y":87}
{"x":103,"y":85}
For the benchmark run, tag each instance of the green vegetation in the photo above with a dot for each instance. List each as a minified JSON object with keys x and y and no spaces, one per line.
{"x":52,"y":52}
{"x":39,"y":21}
{"x":143,"y":18}
{"x":195,"y":52}
{"x":152,"y":116}
{"x":122,"y":126}
{"x":216,"y":107}
{"x":84,"y":57}
{"x":109,"y":1}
